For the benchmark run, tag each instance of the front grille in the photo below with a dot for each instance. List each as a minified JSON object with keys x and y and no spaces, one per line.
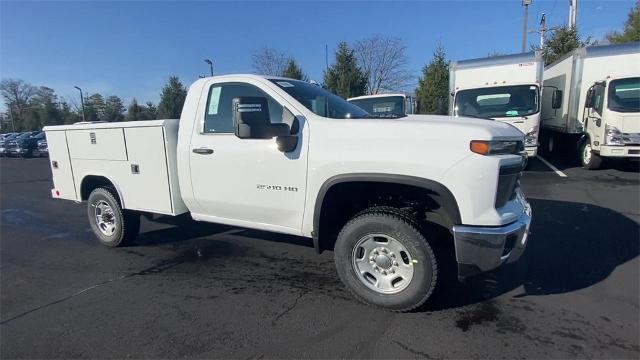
{"x":507,"y":184}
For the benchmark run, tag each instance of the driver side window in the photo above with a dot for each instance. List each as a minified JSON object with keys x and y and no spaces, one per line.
{"x":598,"y":101}
{"x":218,"y":118}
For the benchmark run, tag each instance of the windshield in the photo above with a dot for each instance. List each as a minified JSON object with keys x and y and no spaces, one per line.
{"x":320,"y":101}
{"x":387,"y":106}
{"x":624,"y":95}
{"x":501,"y":101}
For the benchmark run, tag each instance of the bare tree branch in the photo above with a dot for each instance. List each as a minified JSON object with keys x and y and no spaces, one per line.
{"x":384,"y":60}
{"x":269,"y":61}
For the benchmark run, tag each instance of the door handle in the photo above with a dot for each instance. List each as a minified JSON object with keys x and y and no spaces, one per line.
{"x":203,"y":151}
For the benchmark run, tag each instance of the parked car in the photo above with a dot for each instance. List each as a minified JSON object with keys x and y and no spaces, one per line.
{"x":25,"y":145}
{"x":43,"y":149}
{"x":4,"y":143}
{"x":290,"y":157}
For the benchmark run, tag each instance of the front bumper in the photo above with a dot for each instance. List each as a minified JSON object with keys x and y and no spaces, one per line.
{"x":620,"y":151}
{"x":532,"y":151}
{"x":480,"y":249}
{"x":18,"y":151}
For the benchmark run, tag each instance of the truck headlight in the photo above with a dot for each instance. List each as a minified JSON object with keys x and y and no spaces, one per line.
{"x":531,"y":138}
{"x":496,"y":147}
{"x":612,"y":136}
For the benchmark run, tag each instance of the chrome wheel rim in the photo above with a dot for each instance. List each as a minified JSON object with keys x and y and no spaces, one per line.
{"x":382,"y":263}
{"x":586,"y":154}
{"x":105,"y":218}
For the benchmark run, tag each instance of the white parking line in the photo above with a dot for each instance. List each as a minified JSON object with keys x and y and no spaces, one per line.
{"x":550,"y":165}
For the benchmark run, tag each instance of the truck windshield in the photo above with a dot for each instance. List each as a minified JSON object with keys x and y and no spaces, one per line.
{"x":624,"y":95}
{"x":501,"y":101}
{"x":387,"y":106}
{"x":320,"y":101}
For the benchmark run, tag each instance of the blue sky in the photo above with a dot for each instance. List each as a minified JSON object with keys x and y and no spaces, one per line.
{"x":129,"y":48}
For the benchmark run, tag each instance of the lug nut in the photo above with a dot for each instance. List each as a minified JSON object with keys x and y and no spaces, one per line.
{"x":384,"y":251}
{"x":384,"y":272}
{"x":395,"y":263}
{"x":392,"y":271}
{"x":393,"y":256}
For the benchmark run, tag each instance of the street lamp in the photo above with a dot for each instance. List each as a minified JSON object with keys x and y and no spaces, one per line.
{"x":210,"y":65}
{"x":82,"y":102}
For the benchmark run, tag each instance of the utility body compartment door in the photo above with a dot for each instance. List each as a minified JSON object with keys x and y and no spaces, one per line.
{"x":245,"y":182}
{"x":63,"y":182}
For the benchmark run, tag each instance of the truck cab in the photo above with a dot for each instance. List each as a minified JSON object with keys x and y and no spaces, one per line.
{"x":503,"y":88}
{"x":385,"y":105}
{"x":611,"y":117}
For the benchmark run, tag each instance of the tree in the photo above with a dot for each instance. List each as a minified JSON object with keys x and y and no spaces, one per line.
{"x":631,"y":31}
{"x":94,"y":107}
{"x":561,"y":41}
{"x":344,"y":77}
{"x":432,"y":93}
{"x":151,"y":111}
{"x":384,"y":60}
{"x":269,"y":61}
{"x":172,"y":99}
{"x":113,"y":109}
{"x":138,"y":112}
{"x":17,"y":95}
{"x":293,"y":71}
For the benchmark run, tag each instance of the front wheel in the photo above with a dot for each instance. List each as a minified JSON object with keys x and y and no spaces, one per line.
{"x":112,"y":225}
{"x":589,"y":159}
{"x":385,"y":261}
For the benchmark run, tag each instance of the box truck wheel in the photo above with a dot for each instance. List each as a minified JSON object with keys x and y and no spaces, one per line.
{"x":590,"y":160}
{"x":111,"y":224}
{"x":385,"y":261}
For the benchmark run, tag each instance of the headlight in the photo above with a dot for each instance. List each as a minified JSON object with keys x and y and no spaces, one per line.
{"x":612,"y":136}
{"x":531,"y":138}
{"x":495,"y":147}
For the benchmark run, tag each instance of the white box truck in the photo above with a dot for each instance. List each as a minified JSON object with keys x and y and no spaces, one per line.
{"x":504,"y":88}
{"x":591,"y":102}
{"x":385,"y":105}
{"x":287,"y":156}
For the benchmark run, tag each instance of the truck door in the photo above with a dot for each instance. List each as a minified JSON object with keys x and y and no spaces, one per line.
{"x":594,"y":105}
{"x":246,"y":181}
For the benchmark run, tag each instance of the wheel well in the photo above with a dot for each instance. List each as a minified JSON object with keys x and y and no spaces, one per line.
{"x":343,"y":200}
{"x":92,"y":182}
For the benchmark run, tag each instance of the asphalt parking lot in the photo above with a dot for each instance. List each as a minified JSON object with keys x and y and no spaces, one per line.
{"x":201,"y":290}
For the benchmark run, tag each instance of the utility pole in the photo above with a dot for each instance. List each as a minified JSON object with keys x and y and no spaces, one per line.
{"x":526,"y":4}
{"x":573,"y":13}
{"x":210,"y":65}
{"x":82,"y":102}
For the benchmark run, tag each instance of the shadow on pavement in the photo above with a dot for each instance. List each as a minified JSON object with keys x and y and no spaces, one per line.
{"x":572,"y":246}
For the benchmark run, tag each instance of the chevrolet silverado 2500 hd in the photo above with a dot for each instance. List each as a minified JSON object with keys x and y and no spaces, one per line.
{"x":287,"y":156}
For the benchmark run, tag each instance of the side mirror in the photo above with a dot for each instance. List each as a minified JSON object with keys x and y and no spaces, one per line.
{"x":588,"y":103}
{"x":251,"y":119}
{"x":556,"y":99}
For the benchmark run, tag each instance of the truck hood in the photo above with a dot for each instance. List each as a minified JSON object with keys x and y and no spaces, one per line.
{"x":483,"y":129}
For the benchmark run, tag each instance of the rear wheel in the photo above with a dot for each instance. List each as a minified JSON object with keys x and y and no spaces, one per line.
{"x":112,"y":225}
{"x":385,"y":261}
{"x":589,"y":159}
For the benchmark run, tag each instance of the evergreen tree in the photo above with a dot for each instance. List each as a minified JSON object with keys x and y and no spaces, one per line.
{"x":344,"y":78}
{"x":562,"y":41}
{"x":293,"y":71}
{"x":631,"y":31}
{"x":94,"y":107}
{"x":432,"y":93}
{"x":172,"y":99}
{"x":133,"y":111}
{"x":151,"y":111}
{"x":113,"y":109}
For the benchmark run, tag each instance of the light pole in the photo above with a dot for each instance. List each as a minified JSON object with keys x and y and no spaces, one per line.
{"x":210,"y":65}
{"x":526,"y":4}
{"x":82,"y":102}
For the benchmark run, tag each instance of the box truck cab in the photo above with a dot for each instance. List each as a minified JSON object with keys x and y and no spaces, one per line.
{"x":385,"y":105}
{"x":592,"y":101}
{"x":504,"y":88}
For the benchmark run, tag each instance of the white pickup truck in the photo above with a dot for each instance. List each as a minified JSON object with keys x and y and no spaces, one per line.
{"x":287,"y":156}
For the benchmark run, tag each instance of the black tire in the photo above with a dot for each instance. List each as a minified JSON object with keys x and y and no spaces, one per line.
{"x":592,"y":162}
{"x":402,"y":228}
{"x":126,"y":222}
